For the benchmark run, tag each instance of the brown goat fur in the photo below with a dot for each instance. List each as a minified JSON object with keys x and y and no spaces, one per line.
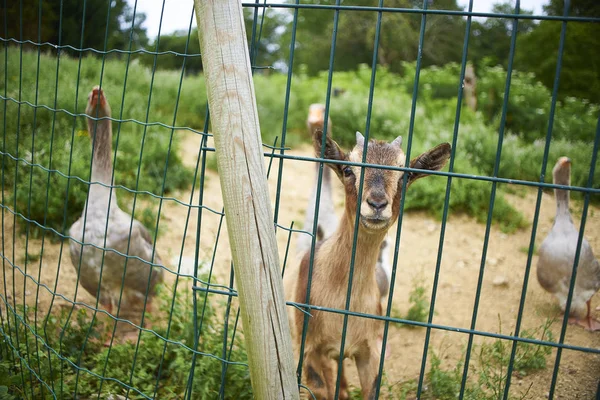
{"x":379,"y":209}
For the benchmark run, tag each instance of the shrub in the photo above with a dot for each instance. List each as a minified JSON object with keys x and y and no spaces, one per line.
{"x":528,"y":110}
{"x":160,"y":366}
{"x":68,"y":150}
{"x":58,"y":142}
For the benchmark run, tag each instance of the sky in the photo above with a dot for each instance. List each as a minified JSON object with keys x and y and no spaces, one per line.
{"x":177,"y":13}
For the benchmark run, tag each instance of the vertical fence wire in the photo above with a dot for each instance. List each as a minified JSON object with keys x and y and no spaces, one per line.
{"x":488,"y":225}
{"x":9,"y":354}
{"x":318,"y":196}
{"x":538,"y":204}
{"x":31,"y":169}
{"x":14,"y":230}
{"x":446,"y":209}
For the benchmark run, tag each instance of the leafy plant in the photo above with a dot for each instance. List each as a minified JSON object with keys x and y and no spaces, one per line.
{"x":68,"y":355}
{"x":419,"y":303}
{"x":47,"y":153}
{"x":491,"y":367}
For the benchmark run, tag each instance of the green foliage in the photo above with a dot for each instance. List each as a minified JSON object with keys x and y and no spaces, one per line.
{"x":9,"y":380}
{"x":476,"y":152}
{"x":419,"y":303}
{"x":491,"y":37}
{"x":160,"y":365}
{"x":579,"y":75}
{"x":176,"y":42}
{"x":108,"y":25}
{"x":494,"y":359}
{"x":528,"y":109}
{"x":58,"y":142}
{"x":355,"y":38}
{"x":443,"y":384}
{"x":491,"y":368}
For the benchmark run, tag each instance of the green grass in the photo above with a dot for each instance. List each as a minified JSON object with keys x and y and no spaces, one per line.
{"x":490,"y":368}
{"x":418,"y":301}
{"x":119,"y":360}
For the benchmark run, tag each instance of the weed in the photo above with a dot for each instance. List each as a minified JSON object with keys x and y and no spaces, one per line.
{"x":419,"y":304}
{"x":67,"y":357}
{"x":525,"y":249}
{"x":30,"y":257}
{"x":491,"y":367}
{"x":387,"y":390}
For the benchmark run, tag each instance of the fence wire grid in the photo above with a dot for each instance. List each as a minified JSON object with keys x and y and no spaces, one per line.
{"x":58,"y":341}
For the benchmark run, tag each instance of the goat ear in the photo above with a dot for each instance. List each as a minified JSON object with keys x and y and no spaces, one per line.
{"x":432,"y":160}
{"x":360,"y":139}
{"x":397,"y":142}
{"x":332,"y":150}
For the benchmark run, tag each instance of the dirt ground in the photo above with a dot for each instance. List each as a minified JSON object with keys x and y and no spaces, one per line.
{"x":506,"y":261}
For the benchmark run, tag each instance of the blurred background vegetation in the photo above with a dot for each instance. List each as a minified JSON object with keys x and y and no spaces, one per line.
{"x":147,"y":152}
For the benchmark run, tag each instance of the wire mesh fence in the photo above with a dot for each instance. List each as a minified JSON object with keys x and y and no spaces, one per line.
{"x":95,"y":303}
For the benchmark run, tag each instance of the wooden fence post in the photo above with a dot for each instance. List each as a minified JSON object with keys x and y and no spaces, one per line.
{"x":238,"y":144}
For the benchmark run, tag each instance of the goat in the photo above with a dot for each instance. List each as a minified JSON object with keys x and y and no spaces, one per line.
{"x":379,"y":210}
{"x":327,"y":219}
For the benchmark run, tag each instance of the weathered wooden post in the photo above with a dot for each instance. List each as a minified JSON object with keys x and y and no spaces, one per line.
{"x":232,"y":104}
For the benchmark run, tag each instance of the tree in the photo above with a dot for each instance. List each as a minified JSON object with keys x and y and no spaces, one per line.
{"x":398,"y":40}
{"x":580,"y":72}
{"x":490,"y":39}
{"x":176,"y":42}
{"x":271,"y":24}
{"x":106,"y":24}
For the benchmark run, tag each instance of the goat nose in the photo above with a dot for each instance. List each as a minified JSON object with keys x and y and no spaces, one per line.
{"x":377,"y":204}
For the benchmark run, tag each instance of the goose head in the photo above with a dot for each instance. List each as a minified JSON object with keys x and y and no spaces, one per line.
{"x":562,"y":171}
{"x":97,"y":104}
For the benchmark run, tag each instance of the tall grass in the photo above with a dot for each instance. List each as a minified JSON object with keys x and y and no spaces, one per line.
{"x":68,"y":362}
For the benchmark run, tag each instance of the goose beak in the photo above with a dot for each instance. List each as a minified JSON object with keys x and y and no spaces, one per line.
{"x":564,"y":161}
{"x":316,"y":114}
{"x":97,"y":96}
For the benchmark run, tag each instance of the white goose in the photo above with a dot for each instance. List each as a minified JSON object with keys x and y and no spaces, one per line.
{"x":557,"y":256}
{"x":140,"y":277}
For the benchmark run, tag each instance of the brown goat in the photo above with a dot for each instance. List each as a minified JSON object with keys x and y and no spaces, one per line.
{"x":380,"y":205}
{"x":328,"y":222}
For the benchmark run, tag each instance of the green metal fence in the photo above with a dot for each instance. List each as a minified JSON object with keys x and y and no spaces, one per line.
{"x":204,"y":325}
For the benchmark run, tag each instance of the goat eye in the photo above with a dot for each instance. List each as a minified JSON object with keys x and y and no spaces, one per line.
{"x":348,"y":172}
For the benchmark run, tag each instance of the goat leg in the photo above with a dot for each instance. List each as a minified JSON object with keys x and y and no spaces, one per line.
{"x":367,"y":363}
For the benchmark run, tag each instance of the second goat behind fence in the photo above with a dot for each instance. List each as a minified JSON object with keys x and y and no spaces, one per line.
{"x":328,"y":221}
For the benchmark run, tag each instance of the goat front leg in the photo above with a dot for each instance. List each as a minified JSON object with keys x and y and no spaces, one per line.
{"x":318,"y":375}
{"x":367,"y":363}
{"x":330,"y":373}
